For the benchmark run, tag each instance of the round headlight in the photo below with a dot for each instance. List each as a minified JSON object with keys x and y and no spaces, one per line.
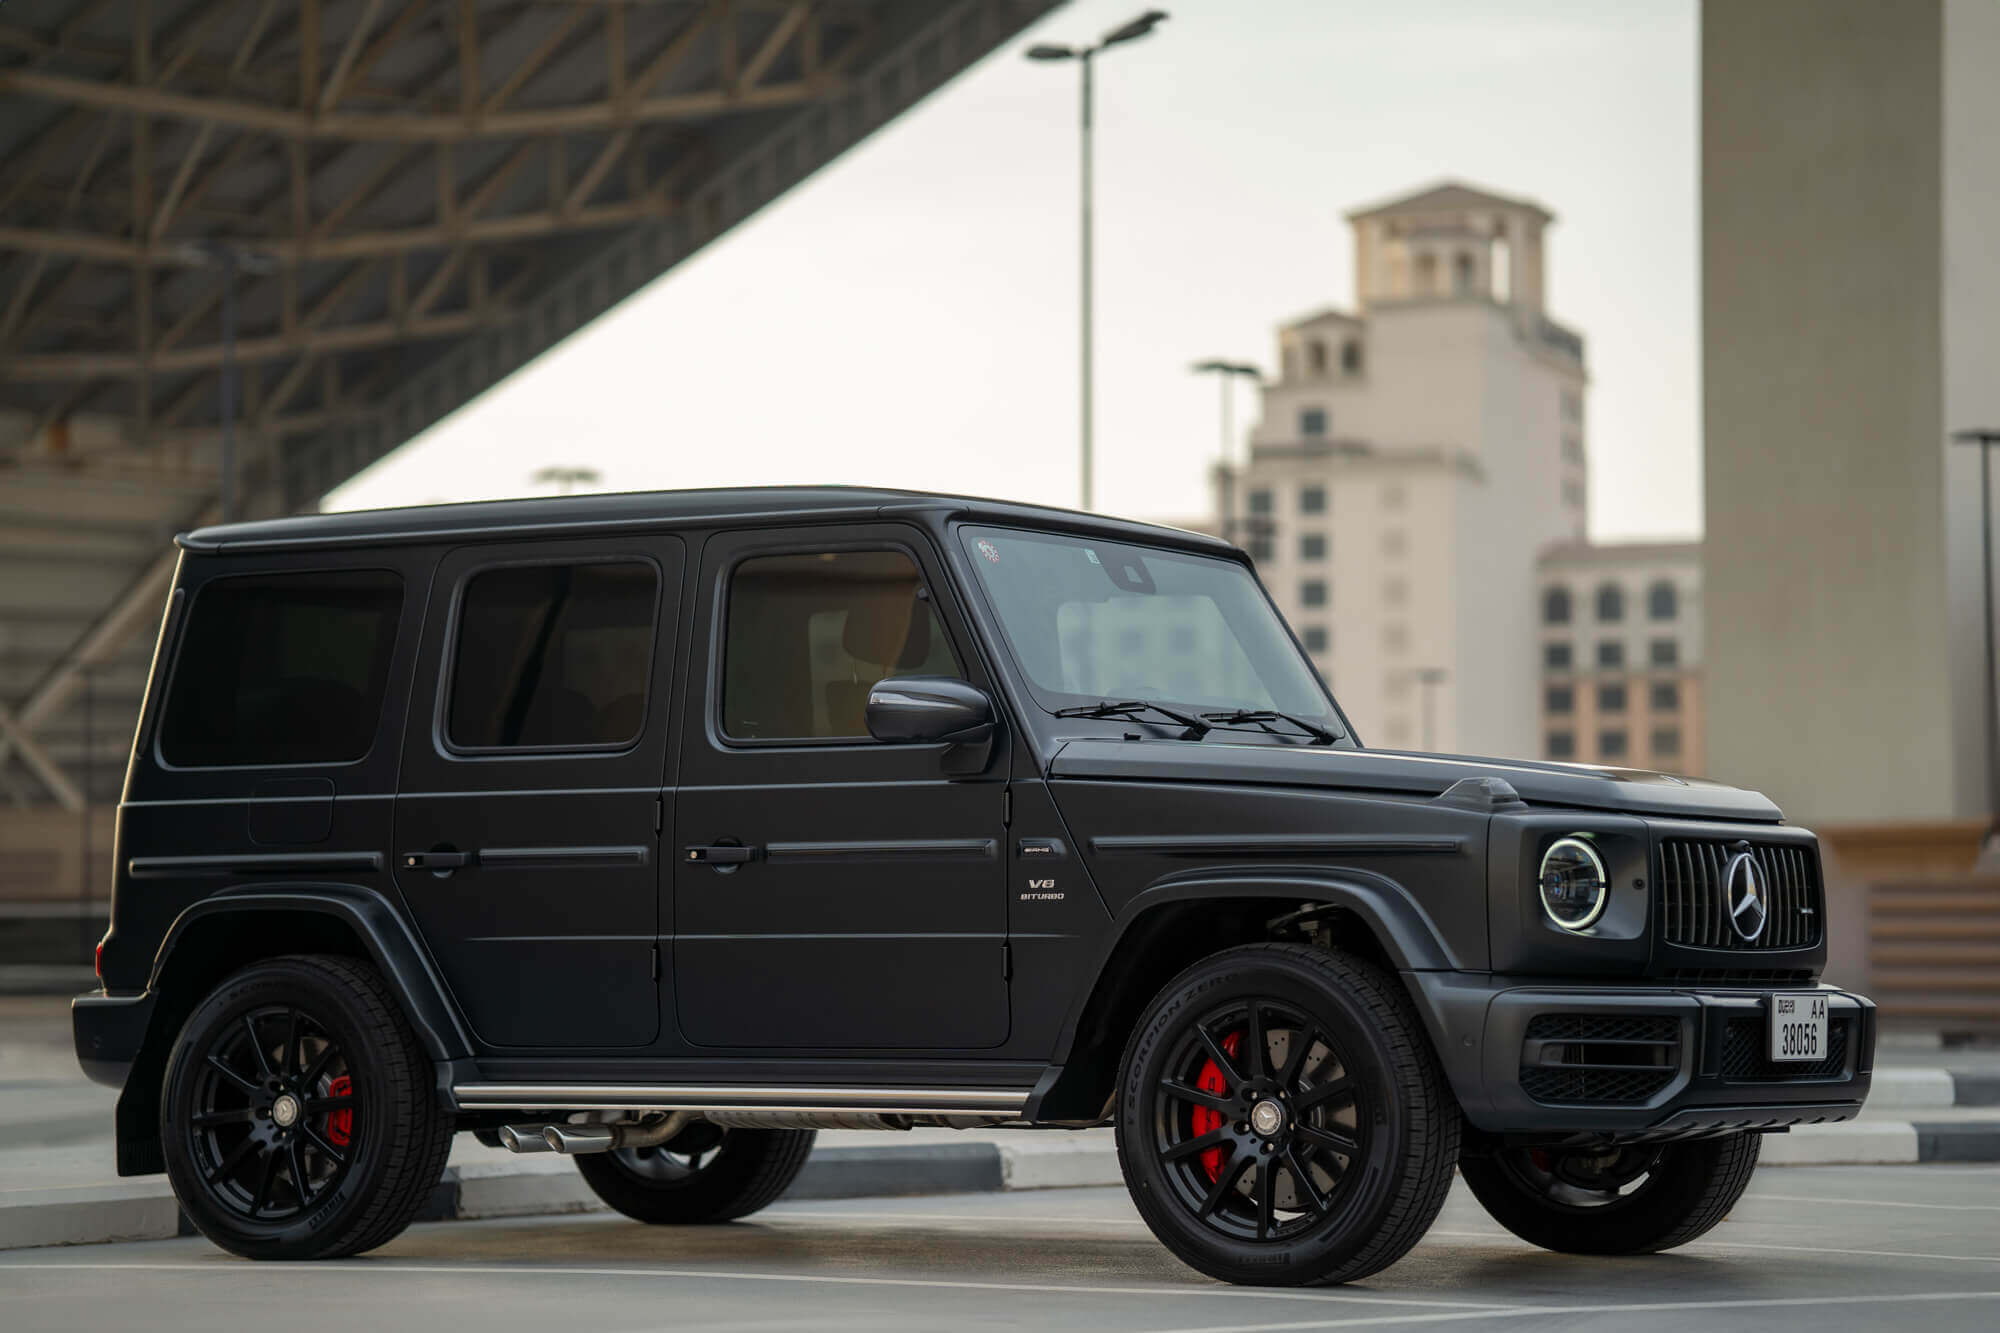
{"x":1574,"y":885}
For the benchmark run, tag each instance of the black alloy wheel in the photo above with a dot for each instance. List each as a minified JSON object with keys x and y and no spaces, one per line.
{"x":273,"y":1125}
{"x":1281,"y":1118}
{"x":703,"y":1174}
{"x":300,"y":1118}
{"x":1616,"y":1199}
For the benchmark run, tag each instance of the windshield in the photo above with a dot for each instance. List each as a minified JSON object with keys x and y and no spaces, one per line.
{"x":1091,"y":620}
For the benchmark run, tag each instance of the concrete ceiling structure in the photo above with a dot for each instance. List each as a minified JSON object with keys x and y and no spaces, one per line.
{"x":423,"y":196}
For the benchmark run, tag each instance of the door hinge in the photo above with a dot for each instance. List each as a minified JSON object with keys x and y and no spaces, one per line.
{"x":659,"y":813}
{"x":1006,"y":807}
{"x":656,"y":962}
{"x":1006,"y":961}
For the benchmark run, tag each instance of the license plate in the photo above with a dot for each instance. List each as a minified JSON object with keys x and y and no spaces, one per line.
{"x":1798,"y":1028}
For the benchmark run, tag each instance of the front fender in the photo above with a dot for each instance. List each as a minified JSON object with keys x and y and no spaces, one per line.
{"x":383,"y":932}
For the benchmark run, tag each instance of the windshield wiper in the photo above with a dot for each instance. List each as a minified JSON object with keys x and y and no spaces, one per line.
{"x":1319,"y":735}
{"x":1196,"y":728}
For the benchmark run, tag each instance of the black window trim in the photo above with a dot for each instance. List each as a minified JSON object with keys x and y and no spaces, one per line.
{"x":441,"y":739}
{"x":719,"y":736}
{"x":178,"y":631}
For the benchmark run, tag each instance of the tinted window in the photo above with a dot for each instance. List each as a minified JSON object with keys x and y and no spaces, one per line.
{"x":1666,"y":652}
{"x":1610,"y":698}
{"x":1559,"y":699}
{"x":1556,"y":656}
{"x":1555,"y":606}
{"x":1561,"y":745}
{"x":283,"y":669}
{"x":1312,"y":546}
{"x":1610,"y":654}
{"x":1610,"y":603}
{"x":553,"y":656}
{"x":810,"y":635}
{"x":1662,"y":602}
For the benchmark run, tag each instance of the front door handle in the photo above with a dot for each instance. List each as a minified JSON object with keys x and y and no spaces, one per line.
{"x":721,"y":854}
{"x":436,"y":860}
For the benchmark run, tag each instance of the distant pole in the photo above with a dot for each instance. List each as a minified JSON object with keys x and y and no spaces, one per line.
{"x":1986,"y":438}
{"x":83,"y":876}
{"x":228,"y":257}
{"x":1228,"y":372}
{"x":1430,"y":678}
{"x":1086,"y":56}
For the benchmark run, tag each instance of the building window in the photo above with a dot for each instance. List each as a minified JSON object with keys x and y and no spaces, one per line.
{"x":1664,"y":652}
{"x":1555,"y":606}
{"x":1572,"y":449}
{"x":1662,"y":601}
{"x":1610,"y":698}
{"x":1427,"y":274}
{"x":1315,"y":638}
{"x":1557,"y":656}
{"x":1562,"y":745}
{"x":1312,"y":422}
{"x":1261,"y":547}
{"x":1312,"y":592}
{"x":1316,"y":356}
{"x":1312,"y":499}
{"x":1396,"y":638}
{"x":1610,"y":603}
{"x":1666,"y":742}
{"x":1395,"y":592}
{"x":1610,"y":655}
{"x":1572,"y":405}
{"x":1394,"y":497}
{"x":1350,"y":356}
{"x":1463,"y":271}
{"x":1181,"y":640}
{"x":1611,"y":744}
{"x":1312,"y":546}
{"x":1572,"y":493}
{"x":1394,"y":542}
{"x":1259,"y":500}
{"x":1559,"y":699}
{"x":1666,"y":696}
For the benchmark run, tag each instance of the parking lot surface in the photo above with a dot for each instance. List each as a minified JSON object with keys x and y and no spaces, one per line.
{"x":1821,"y":1248}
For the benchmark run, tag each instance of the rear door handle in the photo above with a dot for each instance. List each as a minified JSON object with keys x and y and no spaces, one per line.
{"x":437,"y":860}
{"x":719,"y":855}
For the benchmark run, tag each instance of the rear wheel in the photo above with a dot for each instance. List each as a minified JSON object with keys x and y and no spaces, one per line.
{"x":1282,"y":1120}
{"x":1633,"y":1199}
{"x":298,"y":1115}
{"x":703,"y":1174}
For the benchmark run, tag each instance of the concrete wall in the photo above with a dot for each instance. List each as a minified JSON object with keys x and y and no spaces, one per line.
{"x":1821,"y":238}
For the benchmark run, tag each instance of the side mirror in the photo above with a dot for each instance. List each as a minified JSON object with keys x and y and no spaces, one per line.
{"x":935,"y":710}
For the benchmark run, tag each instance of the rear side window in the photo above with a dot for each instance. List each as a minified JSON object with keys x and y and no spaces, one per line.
{"x":810,"y":635}
{"x":283,"y":669}
{"x":553,"y":656}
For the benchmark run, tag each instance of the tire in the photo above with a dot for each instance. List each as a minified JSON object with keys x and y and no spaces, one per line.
{"x":299,"y":1114}
{"x":1328,"y":1157}
{"x":703,"y":1174}
{"x":1638,"y":1199}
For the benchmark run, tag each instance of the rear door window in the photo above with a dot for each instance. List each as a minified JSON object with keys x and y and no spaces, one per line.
{"x":282,"y":669}
{"x":553,"y":656}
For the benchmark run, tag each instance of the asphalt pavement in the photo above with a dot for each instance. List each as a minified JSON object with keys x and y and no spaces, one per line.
{"x":1821,"y":1248}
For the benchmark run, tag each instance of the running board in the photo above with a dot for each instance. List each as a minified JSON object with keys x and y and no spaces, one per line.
{"x":643,"y":1097}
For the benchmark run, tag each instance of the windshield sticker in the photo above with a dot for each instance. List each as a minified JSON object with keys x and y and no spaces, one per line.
{"x":1092,"y":556}
{"x":990,"y":551}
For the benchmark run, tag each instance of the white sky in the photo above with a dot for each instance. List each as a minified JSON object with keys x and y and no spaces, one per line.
{"x":908,"y":316}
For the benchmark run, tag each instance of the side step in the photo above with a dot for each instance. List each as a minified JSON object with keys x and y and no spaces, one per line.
{"x":1001,"y":1102}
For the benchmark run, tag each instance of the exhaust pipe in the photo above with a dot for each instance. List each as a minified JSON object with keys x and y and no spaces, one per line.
{"x":523,"y":1138}
{"x":572,"y":1140}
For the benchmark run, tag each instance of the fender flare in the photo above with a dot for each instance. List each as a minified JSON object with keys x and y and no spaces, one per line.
{"x":382,"y":930}
{"x":1389,"y":911}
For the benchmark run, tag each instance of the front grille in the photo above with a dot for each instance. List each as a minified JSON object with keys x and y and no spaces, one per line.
{"x":1745,"y":1059}
{"x":1693,"y":897}
{"x":1599,"y":1058}
{"x":1722,"y":976}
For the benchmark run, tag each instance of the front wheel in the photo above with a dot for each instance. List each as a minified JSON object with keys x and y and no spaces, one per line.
{"x":703,"y":1174}
{"x":1282,"y":1120}
{"x":1631,"y":1199}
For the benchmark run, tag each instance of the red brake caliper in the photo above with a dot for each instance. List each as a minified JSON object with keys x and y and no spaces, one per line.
{"x":340,"y":1124}
{"x":1210,"y":1080}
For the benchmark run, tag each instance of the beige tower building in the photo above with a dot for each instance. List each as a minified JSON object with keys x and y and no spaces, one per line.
{"x":1413,"y":458}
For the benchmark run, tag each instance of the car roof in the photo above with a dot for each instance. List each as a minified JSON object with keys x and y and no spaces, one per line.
{"x":578,"y":515}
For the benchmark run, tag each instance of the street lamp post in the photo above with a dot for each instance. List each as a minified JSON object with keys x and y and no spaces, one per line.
{"x":1430,"y":678}
{"x":1086,"y":56}
{"x":1986,"y":438}
{"x":1228,"y":372}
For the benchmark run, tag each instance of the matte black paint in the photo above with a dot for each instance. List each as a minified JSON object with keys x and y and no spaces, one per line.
{"x":694,"y":911}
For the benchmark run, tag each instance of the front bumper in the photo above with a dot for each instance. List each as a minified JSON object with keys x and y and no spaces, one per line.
{"x":108,"y":1030}
{"x":1641,"y":1062}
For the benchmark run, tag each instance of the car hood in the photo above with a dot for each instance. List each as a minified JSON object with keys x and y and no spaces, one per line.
{"x":1584,"y":786}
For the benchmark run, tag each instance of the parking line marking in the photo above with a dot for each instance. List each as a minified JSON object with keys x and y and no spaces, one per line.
{"x":1557,"y":1311}
{"x":365,"y":1267}
{"x":1752,"y":1245}
{"x":1876,"y":1203}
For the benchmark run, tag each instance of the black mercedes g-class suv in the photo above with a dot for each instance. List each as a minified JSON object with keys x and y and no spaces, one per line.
{"x":668,"y":829}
